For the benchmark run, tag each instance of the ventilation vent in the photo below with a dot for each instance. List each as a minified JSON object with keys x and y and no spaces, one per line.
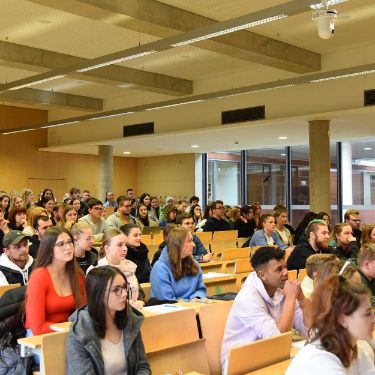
{"x":369,"y":97}
{"x":244,"y":114}
{"x":138,"y":129}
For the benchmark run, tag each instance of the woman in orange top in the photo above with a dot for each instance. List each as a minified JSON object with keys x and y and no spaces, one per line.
{"x":56,"y":286}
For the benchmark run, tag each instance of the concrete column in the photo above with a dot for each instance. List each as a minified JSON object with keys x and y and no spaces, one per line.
{"x":105,"y":170}
{"x":347,"y":177}
{"x":320,"y":189}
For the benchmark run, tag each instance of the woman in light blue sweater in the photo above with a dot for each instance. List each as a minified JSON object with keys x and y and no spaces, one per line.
{"x":176,"y":275}
{"x":267,"y":236}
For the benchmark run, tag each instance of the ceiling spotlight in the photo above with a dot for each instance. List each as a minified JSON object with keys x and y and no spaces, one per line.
{"x":283,"y":137}
{"x":282,"y":154}
{"x":194,"y":146}
{"x":367,"y":148}
{"x":126,"y":152}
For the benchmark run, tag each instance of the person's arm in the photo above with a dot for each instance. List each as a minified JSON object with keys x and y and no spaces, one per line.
{"x":36,"y":296}
{"x":278,"y":242}
{"x":291,"y":290}
{"x":161,"y":282}
{"x":258,"y":239}
{"x":200,"y":252}
{"x":78,"y":359}
{"x":143,"y":367}
{"x":201,"y":291}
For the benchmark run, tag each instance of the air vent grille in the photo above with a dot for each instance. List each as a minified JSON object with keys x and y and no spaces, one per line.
{"x":369,"y":97}
{"x":243,"y":114}
{"x":138,"y":129}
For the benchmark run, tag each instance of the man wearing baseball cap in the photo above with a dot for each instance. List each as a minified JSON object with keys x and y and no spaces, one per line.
{"x":15,"y":262}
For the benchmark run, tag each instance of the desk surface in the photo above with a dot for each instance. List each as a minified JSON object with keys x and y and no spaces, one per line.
{"x":276,"y":369}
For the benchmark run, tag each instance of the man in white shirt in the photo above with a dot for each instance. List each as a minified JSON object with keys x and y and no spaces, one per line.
{"x":267,"y":305}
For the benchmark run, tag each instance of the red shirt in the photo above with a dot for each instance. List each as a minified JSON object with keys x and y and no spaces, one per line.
{"x":44,"y":306}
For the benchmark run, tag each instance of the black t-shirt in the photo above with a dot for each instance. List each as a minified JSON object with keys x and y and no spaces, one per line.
{"x":90,"y":259}
{"x":214,"y":225}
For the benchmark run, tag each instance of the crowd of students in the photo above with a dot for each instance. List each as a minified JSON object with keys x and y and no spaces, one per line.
{"x":52,"y":248}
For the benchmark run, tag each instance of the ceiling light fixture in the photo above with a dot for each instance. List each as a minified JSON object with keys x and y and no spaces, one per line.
{"x":283,"y":137}
{"x":173,"y":105}
{"x":37,"y":82}
{"x":367,"y":148}
{"x":126,"y":152}
{"x":325,"y":4}
{"x":122,"y":59}
{"x":194,"y":146}
{"x":230,"y":30}
{"x":19,"y":131}
{"x":59,"y":124}
{"x":110,"y":116}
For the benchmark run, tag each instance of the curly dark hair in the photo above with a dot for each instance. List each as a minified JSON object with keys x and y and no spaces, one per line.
{"x":264,"y":254}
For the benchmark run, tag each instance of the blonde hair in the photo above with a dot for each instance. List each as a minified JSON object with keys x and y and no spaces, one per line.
{"x":33,"y":212}
{"x":320,"y":262}
{"x":366,"y":233}
{"x":367,"y":252}
{"x":78,"y":228}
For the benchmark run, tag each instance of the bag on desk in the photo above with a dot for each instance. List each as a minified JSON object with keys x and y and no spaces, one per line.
{"x":228,"y":296}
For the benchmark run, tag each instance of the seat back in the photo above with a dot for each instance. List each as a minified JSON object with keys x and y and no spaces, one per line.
{"x":243,"y":265}
{"x":109,"y":211}
{"x":146,"y":287}
{"x":182,"y":359}
{"x":225,"y":235}
{"x":157,"y":239}
{"x":217,"y":247}
{"x":235,"y":253}
{"x":204,"y":236}
{"x":5,"y":288}
{"x":164,"y":331}
{"x":53,"y":353}
{"x":259,"y":354}
{"x":212,"y":319}
{"x":146,"y":239}
{"x":302,"y":273}
{"x":292,"y":275}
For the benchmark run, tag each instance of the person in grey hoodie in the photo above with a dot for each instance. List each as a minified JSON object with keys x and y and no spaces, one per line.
{"x":105,"y":335}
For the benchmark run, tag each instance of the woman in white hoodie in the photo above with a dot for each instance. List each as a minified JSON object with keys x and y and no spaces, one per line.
{"x":115,"y":250}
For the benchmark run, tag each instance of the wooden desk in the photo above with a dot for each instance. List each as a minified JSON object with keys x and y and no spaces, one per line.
{"x":61,"y":327}
{"x":224,"y":266}
{"x":218,"y":285}
{"x":276,"y":369}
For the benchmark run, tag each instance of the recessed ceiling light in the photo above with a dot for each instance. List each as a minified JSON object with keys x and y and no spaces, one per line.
{"x":367,"y":148}
{"x":126,"y":152}
{"x":283,"y":137}
{"x":194,"y":146}
{"x":282,"y":154}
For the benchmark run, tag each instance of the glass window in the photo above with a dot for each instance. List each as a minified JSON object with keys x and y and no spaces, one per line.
{"x":265,"y":175}
{"x":224,"y":177}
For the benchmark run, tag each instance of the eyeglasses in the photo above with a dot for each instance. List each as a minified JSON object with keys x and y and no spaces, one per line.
{"x":118,"y":290}
{"x":62,"y":244}
{"x":98,"y":208}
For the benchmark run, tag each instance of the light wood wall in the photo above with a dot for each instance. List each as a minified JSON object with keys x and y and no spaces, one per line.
{"x":22,"y":165}
{"x":167,"y":175}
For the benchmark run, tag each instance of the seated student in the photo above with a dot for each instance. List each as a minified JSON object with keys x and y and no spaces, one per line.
{"x":137,"y":252}
{"x":57,"y":212}
{"x":56,"y":286}
{"x":85,"y":254}
{"x":69,"y":217}
{"x":267,"y":235}
{"x":94,"y":218}
{"x":318,"y":238}
{"x":105,"y":335}
{"x":281,"y":219}
{"x":345,"y":243}
{"x":318,"y":267}
{"x":123,"y":214}
{"x":200,"y":253}
{"x":142,"y":219}
{"x":31,"y":214}
{"x":15,"y":262}
{"x":267,"y":304}
{"x":170,"y":216}
{"x":196,"y":213}
{"x":207,"y":213}
{"x":166,"y":231}
{"x":341,"y":315}
{"x":300,"y":233}
{"x":40,"y":224}
{"x":17,"y":218}
{"x":4,"y":229}
{"x":216,"y":222}
{"x":368,"y":234}
{"x":115,"y":250}
{"x":110,"y":200}
{"x":366,"y":268}
{"x":176,"y":274}
{"x":245,"y":224}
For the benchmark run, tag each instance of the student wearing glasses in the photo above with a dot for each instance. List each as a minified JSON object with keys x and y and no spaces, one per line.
{"x":94,"y":218}
{"x":105,"y":335}
{"x":216,"y":222}
{"x":56,"y":286}
{"x":352,"y":218}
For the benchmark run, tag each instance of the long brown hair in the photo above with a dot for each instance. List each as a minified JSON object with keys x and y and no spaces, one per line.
{"x":331,"y":299}
{"x":366,"y":234}
{"x":45,"y":257}
{"x":180,"y":267}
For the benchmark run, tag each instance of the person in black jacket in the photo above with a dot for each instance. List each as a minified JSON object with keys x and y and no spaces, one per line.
{"x":137,"y":252}
{"x":346,"y":244}
{"x":317,"y":242}
{"x":15,"y":262}
{"x":245,"y":225}
{"x":40,"y":224}
{"x":216,"y":221}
